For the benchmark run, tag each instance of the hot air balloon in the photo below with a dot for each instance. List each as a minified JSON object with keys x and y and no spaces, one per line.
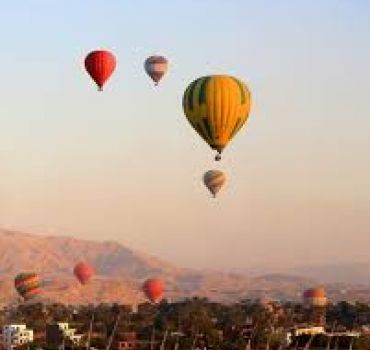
{"x":156,"y":67}
{"x":100,"y":66}
{"x":27,"y":284}
{"x":315,"y":297}
{"x":217,"y":106}
{"x":153,"y":289}
{"x":214,"y":180}
{"x":83,"y":272}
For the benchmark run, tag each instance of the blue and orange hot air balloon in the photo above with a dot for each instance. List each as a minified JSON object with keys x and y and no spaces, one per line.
{"x":100,"y":65}
{"x":27,"y":284}
{"x":214,"y":180}
{"x":156,"y":67}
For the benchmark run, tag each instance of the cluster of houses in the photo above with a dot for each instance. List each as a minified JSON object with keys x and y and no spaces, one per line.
{"x":15,"y":335}
{"x":313,"y":333}
{"x":55,"y":336}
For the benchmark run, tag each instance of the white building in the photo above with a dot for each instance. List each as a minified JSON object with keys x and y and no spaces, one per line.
{"x":303,"y":331}
{"x":69,"y":333}
{"x":15,"y":335}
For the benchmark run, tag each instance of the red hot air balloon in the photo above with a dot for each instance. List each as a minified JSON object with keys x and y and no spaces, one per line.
{"x":83,"y":272}
{"x":100,"y":65}
{"x":153,"y":289}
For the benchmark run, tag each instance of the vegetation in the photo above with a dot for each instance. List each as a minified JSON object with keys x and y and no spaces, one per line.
{"x":193,"y":323}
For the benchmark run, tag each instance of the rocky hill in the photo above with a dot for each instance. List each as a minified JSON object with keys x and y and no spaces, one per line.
{"x":120,"y":272}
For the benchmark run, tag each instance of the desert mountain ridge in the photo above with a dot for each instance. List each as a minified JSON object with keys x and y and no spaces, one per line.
{"x":120,"y":272}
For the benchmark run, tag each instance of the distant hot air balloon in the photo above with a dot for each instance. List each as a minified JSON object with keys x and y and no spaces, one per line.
{"x":214,"y":180}
{"x":156,"y":67}
{"x":217,"y":106}
{"x":315,"y":297}
{"x":153,"y":288}
{"x":100,"y":65}
{"x":27,"y":284}
{"x":83,"y":272}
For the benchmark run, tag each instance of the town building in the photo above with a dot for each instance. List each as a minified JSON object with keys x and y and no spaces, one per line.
{"x":318,"y":338}
{"x":303,"y":331}
{"x":57,"y":333}
{"x":127,"y":341}
{"x":15,"y":335}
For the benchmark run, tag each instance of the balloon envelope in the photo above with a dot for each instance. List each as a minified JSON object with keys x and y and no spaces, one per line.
{"x":156,"y":67}
{"x":315,"y":297}
{"x":153,"y":288}
{"x":83,"y":272}
{"x":214,"y":180}
{"x":27,"y":284}
{"x":100,"y":65}
{"x":217,"y":107}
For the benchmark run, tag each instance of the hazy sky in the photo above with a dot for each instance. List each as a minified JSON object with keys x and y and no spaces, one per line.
{"x":125,"y":165}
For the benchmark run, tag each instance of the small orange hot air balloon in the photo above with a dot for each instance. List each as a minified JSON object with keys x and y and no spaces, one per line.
{"x":83,"y":272}
{"x":100,"y":65}
{"x":153,"y":288}
{"x":315,"y":297}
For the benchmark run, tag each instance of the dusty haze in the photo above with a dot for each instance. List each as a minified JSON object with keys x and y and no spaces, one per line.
{"x":124,"y":165}
{"x":121,"y":271}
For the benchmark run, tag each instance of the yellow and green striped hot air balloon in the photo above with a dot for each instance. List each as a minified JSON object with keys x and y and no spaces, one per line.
{"x":27,"y":284}
{"x":217,"y":106}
